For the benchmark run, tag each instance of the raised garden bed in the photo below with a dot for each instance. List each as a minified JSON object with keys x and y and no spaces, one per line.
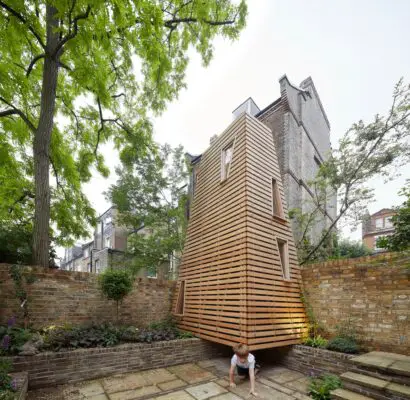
{"x":315,"y":361}
{"x":53,"y":368}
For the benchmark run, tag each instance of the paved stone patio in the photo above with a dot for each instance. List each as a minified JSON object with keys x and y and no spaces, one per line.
{"x":201,"y":381}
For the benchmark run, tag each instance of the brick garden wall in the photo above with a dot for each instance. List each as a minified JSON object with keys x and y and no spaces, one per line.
{"x":373,"y":293}
{"x":49,"y":369}
{"x":73,"y":297}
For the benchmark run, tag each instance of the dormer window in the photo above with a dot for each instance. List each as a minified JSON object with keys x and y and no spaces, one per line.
{"x":227,"y":154}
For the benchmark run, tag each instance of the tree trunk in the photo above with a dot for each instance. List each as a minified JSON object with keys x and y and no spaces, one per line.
{"x":41,"y":145}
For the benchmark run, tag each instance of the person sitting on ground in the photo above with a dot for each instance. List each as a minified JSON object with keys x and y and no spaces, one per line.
{"x":245,"y":364}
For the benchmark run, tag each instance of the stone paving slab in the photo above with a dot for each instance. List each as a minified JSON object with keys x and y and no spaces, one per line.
{"x":98,"y":397}
{"x":135,"y":394}
{"x":206,"y":390}
{"x":191,"y":373}
{"x":180,"y":395}
{"x":396,"y":363}
{"x":175,"y":384}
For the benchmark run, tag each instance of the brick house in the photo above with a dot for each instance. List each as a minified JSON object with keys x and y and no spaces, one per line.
{"x":377,"y":225}
{"x":107,"y":248}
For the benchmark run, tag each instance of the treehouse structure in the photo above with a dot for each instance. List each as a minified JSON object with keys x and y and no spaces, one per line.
{"x":239,"y":279}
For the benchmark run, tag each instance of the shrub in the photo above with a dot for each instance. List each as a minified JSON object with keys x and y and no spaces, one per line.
{"x":13,"y":338}
{"x":343,"y":345}
{"x":320,"y":387}
{"x":317,"y":341}
{"x":81,"y":337}
{"x":7,"y":385}
{"x":115,"y":285}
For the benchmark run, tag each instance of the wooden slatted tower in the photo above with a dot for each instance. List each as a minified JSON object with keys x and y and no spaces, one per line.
{"x":239,"y":279}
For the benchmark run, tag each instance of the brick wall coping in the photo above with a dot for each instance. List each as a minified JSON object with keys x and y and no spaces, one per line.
{"x":352,"y":261}
{"x":324,"y":352}
{"x":79,"y":276}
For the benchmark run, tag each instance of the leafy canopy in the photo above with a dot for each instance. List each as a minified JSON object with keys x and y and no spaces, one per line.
{"x":151,"y":198}
{"x":118,"y":61}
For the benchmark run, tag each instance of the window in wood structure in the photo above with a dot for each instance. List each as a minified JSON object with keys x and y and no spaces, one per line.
{"x":276,"y":201}
{"x":179,"y":308}
{"x":284,"y":257}
{"x":226,"y":161}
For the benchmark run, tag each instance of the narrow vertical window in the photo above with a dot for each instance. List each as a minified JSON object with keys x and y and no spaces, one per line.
{"x":284,"y":257}
{"x":226,"y":161}
{"x":276,"y":201}
{"x":179,"y":309}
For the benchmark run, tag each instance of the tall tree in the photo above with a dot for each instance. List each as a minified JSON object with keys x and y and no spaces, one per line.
{"x":366,"y":151}
{"x":101,"y":66}
{"x":151,"y":198}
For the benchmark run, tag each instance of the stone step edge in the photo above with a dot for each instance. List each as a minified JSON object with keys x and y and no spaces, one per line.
{"x":365,"y":380}
{"x":381,"y":385}
{"x":386,"y":370}
{"x":343,"y":394}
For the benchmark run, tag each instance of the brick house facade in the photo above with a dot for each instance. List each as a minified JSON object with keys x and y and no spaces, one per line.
{"x":106,"y":250}
{"x":377,"y":225}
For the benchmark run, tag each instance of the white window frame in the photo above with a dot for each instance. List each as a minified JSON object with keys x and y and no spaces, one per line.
{"x":107,"y":239}
{"x":377,"y":222}
{"x":388,"y":222}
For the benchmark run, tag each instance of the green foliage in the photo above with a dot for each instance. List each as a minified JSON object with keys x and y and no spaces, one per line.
{"x":343,"y":345}
{"x":346,"y":248}
{"x":316,"y":341}
{"x":106,"y":335}
{"x":151,"y":198}
{"x":115,"y":284}
{"x":345,"y":340}
{"x":118,"y":62}
{"x":15,"y":244}
{"x":366,"y":151}
{"x":81,"y":337}
{"x":320,"y":387}
{"x":15,"y":337}
{"x":400,"y":239}
{"x":17,"y":274}
{"x":7,"y":385}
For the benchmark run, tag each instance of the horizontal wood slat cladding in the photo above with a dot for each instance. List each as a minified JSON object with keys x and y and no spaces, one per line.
{"x":232,"y":274}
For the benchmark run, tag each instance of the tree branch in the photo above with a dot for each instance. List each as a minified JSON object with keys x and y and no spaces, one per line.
{"x":171,"y":23}
{"x":32,"y":63}
{"x":59,"y":184}
{"x":72,"y":34}
{"x":101,"y":128}
{"x":15,"y":110}
{"x":24,"y":21}
{"x":25,"y":194}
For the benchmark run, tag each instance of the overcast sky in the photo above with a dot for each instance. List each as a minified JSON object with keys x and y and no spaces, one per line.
{"x":355,"y":52}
